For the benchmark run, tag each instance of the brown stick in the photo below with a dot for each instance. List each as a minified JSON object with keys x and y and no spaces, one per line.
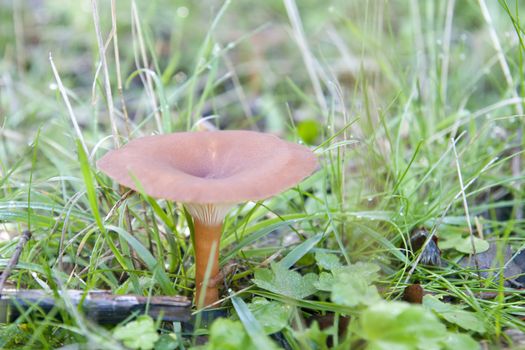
{"x":100,"y":306}
{"x":207,"y":240}
{"x":26,"y":235}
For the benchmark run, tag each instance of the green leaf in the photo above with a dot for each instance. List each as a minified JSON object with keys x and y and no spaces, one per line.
{"x":251,"y":325}
{"x":455,"y":314}
{"x":167,"y":342}
{"x":327,"y":261}
{"x":282,"y":281}
{"x":457,"y":341}
{"x":138,"y":334}
{"x":400,"y":326}
{"x":349,"y":285}
{"x":353,"y":290}
{"x":271,"y":315}
{"x":368,"y":271}
{"x":301,"y":250}
{"x":463,"y":244}
{"x":449,"y":241}
{"x":313,"y":337}
{"x":228,"y":335}
{"x":325,"y":282}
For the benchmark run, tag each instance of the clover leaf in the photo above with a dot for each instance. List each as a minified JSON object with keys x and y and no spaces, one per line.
{"x":281,"y":280}
{"x":138,"y":334}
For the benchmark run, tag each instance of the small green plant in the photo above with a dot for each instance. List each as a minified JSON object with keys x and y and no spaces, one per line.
{"x":140,"y":334}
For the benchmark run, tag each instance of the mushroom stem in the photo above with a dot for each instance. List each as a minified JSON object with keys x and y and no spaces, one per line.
{"x":206,"y":240}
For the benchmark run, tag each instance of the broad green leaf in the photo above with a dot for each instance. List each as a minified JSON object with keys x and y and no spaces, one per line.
{"x":226,"y":334}
{"x":349,"y":285}
{"x":139,"y":334}
{"x":401,"y":326}
{"x":455,"y":314}
{"x":457,"y":341}
{"x":465,"y":245}
{"x":313,"y":337}
{"x":280,"y":280}
{"x":301,"y":250}
{"x":449,"y":241}
{"x":353,"y":290}
{"x":251,"y":325}
{"x":368,"y":271}
{"x":167,"y":342}
{"x":327,"y":261}
{"x":325,"y":282}
{"x":271,"y":315}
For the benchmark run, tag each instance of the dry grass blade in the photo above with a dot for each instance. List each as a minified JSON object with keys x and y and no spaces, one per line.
{"x":239,"y":90}
{"x":19,"y":35}
{"x":421,"y":63}
{"x":146,"y":78}
{"x":107,"y":84}
{"x":516,"y":162}
{"x":117,"y":65}
{"x":465,"y":205}
{"x":446,"y":48}
{"x":65,"y":97}
{"x":309,"y":61}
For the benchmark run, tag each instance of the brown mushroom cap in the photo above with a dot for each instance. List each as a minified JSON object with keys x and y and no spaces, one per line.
{"x":209,"y":167}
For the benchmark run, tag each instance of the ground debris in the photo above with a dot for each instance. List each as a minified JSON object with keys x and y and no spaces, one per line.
{"x":413,"y":294}
{"x":488,"y":264}
{"x":516,"y":337}
{"x":431,"y":255}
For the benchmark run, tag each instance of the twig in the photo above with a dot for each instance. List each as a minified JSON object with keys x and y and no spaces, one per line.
{"x":26,"y":235}
{"x":101,"y":306}
{"x":117,"y":205}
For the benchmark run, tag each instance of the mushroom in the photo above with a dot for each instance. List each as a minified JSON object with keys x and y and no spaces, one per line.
{"x":209,"y":172}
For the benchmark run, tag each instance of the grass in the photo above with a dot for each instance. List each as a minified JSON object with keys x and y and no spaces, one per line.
{"x":415,"y":110}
